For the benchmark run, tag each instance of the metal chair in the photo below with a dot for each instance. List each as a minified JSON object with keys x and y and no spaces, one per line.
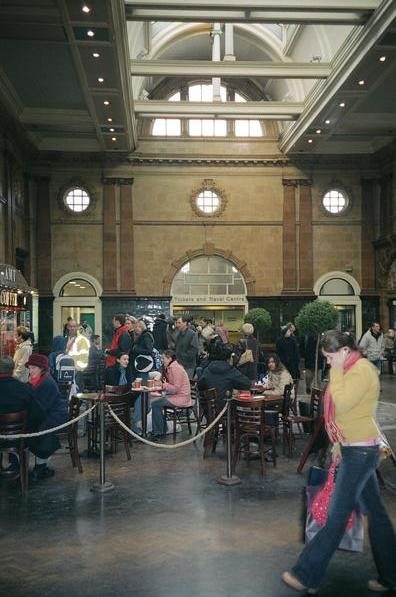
{"x":13,"y":424}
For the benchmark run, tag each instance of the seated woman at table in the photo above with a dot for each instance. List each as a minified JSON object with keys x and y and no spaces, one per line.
{"x":176,"y":388}
{"x":55,"y":412}
{"x":278,"y":376}
{"x":119,"y":374}
{"x":220,"y":374}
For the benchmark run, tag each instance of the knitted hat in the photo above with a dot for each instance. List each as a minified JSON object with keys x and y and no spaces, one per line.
{"x":144,"y":363}
{"x":38,"y":360}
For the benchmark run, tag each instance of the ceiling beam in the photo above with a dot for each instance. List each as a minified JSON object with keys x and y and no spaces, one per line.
{"x":273,"y":70}
{"x":352,"y":12}
{"x":228,"y":110}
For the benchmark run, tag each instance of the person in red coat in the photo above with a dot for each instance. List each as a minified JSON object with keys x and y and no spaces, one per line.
{"x":176,"y":391}
{"x":121,"y":342}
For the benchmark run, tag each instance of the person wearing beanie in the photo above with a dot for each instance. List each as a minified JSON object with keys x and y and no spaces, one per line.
{"x":55,"y":412}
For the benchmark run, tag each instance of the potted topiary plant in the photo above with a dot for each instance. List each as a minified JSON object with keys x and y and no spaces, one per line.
{"x":314,"y":319}
{"x":260,"y":320}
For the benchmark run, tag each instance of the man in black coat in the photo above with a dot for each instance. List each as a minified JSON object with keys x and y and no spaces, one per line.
{"x":16,"y":396}
{"x":221,"y":375}
{"x":159,"y":333}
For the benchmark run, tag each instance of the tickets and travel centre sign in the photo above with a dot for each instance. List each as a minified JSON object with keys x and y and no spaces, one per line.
{"x":209,"y":299}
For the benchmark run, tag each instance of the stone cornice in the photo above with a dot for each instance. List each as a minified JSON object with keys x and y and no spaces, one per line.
{"x":280,"y":162}
{"x":117,"y":181}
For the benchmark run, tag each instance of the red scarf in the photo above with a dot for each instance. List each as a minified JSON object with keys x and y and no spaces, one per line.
{"x":333,"y":431}
{"x":36,"y":381}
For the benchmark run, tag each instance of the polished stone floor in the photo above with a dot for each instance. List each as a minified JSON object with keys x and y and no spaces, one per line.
{"x":168,"y":529}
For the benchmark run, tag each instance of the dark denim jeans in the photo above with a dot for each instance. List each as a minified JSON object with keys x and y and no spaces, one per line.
{"x":158,"y":419}
{"x":356,"y":481}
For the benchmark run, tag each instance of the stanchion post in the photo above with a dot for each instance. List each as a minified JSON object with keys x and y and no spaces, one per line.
{"x":229,"y":478}
{"x":103,"y":486}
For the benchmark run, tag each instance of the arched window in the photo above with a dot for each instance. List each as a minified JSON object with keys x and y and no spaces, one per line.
{"x":77,"y":287}
{"x":206,"y":127}
{"x":336,"y":287}
{"x":211,"y":275}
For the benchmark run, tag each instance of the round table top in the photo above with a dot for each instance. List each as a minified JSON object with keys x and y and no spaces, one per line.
{"x":147,"y":389}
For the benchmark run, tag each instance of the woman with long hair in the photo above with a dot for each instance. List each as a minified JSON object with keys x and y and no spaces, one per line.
{"x":350,"y":404}
{"x":23,"y":350}
{"x":278,"y":376}
{"x":176,"y":391}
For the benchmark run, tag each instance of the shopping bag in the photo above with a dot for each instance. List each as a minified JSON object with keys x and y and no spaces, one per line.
{"x":317,"y":501}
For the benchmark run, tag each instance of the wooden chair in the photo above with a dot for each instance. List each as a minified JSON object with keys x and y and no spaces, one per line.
{"x":209,"y":408}
{"x":289,"y":418}
{"x":119,"y":398}
{"x":71,"y":433}
{"x":183,"y":414}
{"x":250,"y":424}
{"x":13,"y":424}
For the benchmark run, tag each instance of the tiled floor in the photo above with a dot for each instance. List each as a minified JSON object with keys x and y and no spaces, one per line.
{"x":168,"y":529}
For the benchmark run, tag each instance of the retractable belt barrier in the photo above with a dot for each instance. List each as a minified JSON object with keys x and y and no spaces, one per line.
{"x":47,"y":431}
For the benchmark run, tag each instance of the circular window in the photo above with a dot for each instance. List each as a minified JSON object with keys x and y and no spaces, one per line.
{"x":335,"y":202}
{"x":208,"y":202}
{"x":76,"y":199}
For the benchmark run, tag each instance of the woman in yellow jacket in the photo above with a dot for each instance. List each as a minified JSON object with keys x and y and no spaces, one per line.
{"x":350,"y":404}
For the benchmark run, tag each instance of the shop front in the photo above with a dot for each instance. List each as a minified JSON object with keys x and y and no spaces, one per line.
{"x":18,"y":306}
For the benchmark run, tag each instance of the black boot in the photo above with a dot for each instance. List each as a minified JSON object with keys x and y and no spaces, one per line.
{"x":41,"y":471}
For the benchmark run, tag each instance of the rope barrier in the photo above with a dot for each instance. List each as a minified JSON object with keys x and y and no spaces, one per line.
{"x":168,"y":446}
{"x":46,"y":431}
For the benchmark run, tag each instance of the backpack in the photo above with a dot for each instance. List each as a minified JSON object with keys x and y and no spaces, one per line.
{"x":157,"y":360}
{"x":65,"y":369}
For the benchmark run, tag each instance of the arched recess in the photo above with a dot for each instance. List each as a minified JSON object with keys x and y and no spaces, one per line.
{"x":75,"y":303}
{"x":347,"y":301}
{"x":208,"y":249}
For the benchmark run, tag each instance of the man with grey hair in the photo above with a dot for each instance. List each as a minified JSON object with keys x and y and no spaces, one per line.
{"x":16,"y":396}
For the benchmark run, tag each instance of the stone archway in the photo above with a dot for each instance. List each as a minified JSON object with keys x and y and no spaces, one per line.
{"x":208,"y":249}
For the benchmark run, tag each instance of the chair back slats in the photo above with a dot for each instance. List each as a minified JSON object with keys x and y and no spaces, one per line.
{"x":287,"y":400}
{"x":249,"y":416}
{"x":13,"y":423}
{"x":316,"y":404}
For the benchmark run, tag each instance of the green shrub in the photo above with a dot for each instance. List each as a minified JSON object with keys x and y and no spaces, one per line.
{"x":260,"y":319}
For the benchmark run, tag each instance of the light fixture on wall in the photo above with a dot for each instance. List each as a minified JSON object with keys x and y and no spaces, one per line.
{"x":361,"y":82}
{"x":95,"y":55}
{"x":382,"y":58}
{"x":100,"y":80}
{"x":85,"y":9}
{"x":109,"y":119}
{"x":106,"y":103}
{"x":90,"y":33}
{"x":327,"y":121}
{"x":310,"y":140}
{"x":112,"y":130}
{"x":114,"y":138}
{"x":342,"y":105}
{"x":318,"y":131}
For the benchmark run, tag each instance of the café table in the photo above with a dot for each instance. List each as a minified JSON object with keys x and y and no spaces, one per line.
{"x":92,"y":398}
{"x":145,"y":391}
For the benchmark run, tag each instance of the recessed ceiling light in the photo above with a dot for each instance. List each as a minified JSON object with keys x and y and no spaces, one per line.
{"x":361,"y":82}
{"x":382,"y":58}
{"x":106,"y":103}
{"x":96,"y":54}
{"x":90,"y":33}
{"x":85,"y":9}
{"x":327,"y":121}
{"x":112,"y":130}
{"x":109,"y":119}
{"x":310,"y":141}
{"x":100,"y":80}
{"x":342,"y":105}
{"x":318,"y":131}
{"x":114,"y":138}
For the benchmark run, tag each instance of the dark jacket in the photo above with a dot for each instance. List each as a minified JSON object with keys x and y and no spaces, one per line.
{"x":287,"y":351}
{"x":112,"y":375}
{"x":187,"y":348}
{"x":16,"y":396}
{"x":309,"y":353}
{"x":55,"y":409}
{"x":159,"y":333}
{"x":143,"y":345}
{"x":223,"y":377}
{"x":248,"y":369}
